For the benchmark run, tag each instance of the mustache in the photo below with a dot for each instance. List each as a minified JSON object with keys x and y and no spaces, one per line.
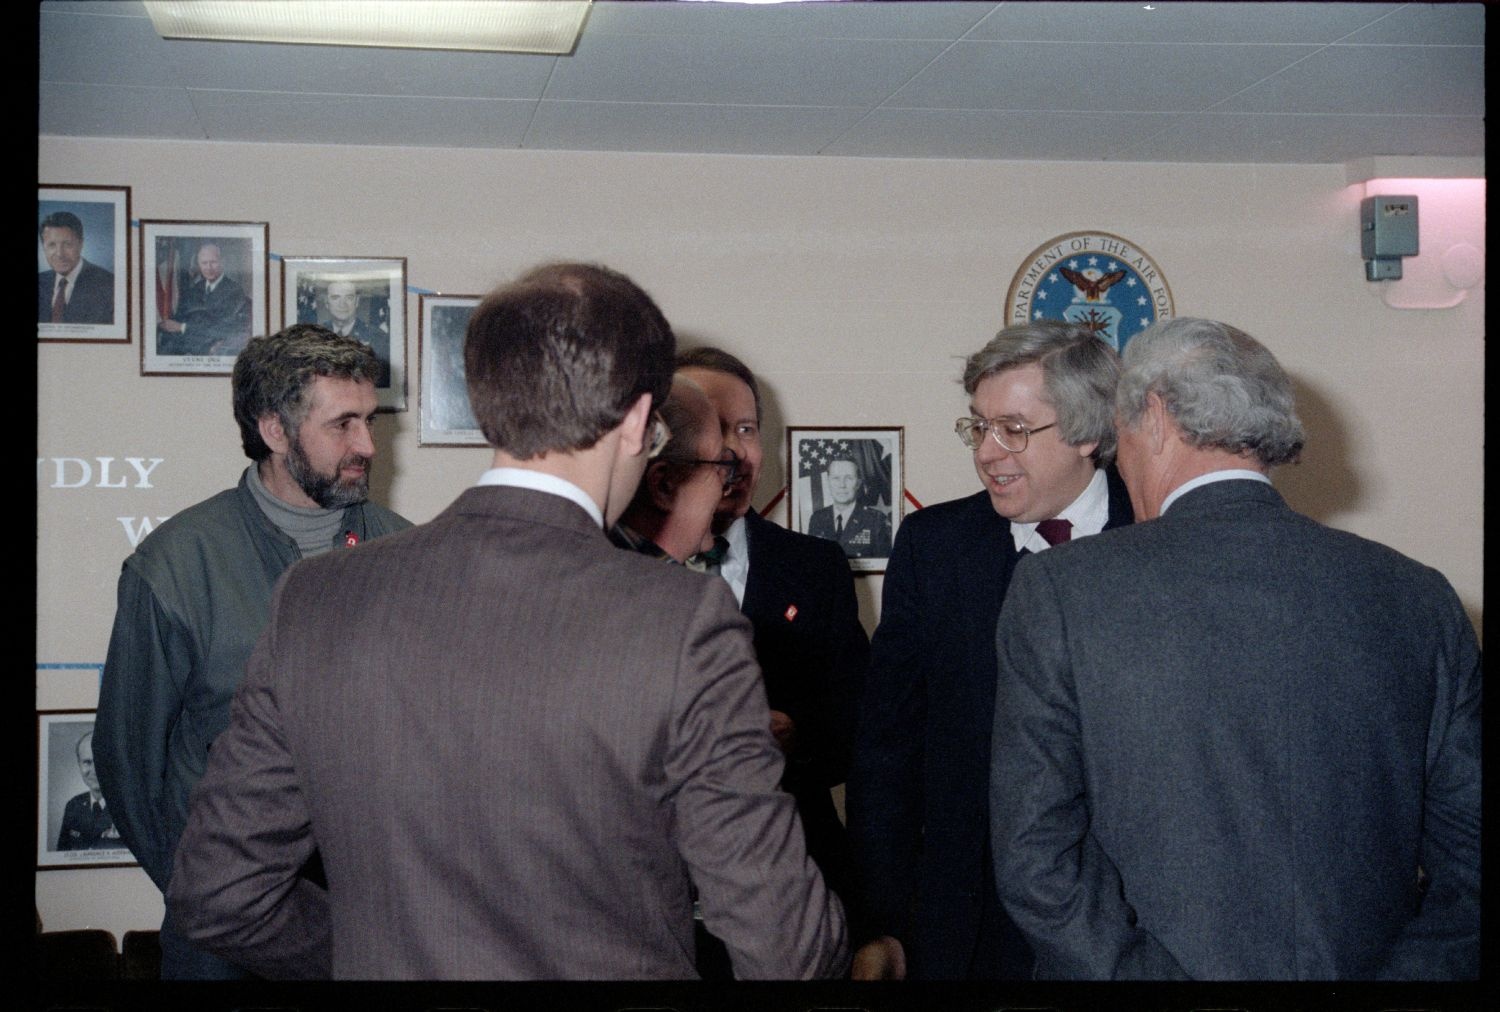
{"x":359,"y":460}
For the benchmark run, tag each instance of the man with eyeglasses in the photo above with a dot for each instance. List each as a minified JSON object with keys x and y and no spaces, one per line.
{"x":1041,"y":433}
{"x":519,"y":748}
{"x":798,"y":593}
{"x":673,"y":508}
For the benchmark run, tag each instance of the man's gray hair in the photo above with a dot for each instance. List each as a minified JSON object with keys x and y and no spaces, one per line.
{"x":1078,"y":377}
{"x":274,"y":373}
{"x":1222,"y":387}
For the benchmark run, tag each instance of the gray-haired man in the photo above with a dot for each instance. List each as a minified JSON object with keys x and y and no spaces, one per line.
{"x":194,"y":596}
{"x":1229,"y":742}
{"x":1040,"y":430}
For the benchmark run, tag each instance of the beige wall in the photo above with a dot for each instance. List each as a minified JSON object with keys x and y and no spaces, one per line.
{"x":853,"y":286}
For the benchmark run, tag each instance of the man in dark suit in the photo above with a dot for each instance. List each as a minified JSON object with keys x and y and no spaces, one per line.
{"x":541,"y":744}
{"x":862,"y":532}
{"x":798,"y":593}
{"x":1231,"y":743}
{"x":1041,"y":434}
{"x":213,"y":315}
{"x":74,"y":290}
{"x":86,"y":823}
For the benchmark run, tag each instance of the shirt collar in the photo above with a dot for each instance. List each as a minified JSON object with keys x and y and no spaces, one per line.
{"x":1088,"y":514}
{"x":1231,"y":474}
{"x":541,"y":481}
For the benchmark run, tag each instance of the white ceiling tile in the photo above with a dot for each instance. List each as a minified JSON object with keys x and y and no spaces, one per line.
{"x":1277,"y":138}
{"x":769,"y":71}
{"x":614,"y":126}
{"x":1132,"y":78}
{"x":337,"y":70}
{"x":94,"y":49}
{"x":98,"y":110}
{"x":353,"y":119}
{"x":982,"y":133}
{"x":1169,"y":22}
{"x":1439,"y":24}
{"x":1436,"y":80}
{"x":925,"y":20}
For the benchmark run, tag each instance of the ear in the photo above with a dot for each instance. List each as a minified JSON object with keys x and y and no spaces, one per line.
{"x":633,"y":426}
{"x":661,"y":486}
{"x":1156,"y":422}
{"x":272,"y":432}
{"x":1086,"y":449}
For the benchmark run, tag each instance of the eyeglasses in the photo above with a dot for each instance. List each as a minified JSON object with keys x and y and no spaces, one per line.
{"x":729,"y":469}
{"x":660,"y":436}
{"x":1008,"y":432}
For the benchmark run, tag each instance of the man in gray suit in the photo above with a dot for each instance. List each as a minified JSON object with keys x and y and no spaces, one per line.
{"x":540,"y":743}
{"x":1231,"y":743}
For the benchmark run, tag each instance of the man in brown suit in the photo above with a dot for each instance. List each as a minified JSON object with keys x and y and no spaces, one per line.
{"x":517,"y":753}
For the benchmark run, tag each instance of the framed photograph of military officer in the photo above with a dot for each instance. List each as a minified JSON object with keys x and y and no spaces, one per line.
{"x":446,"y":417}
{"x":73,"y":825}
{"x":83,"y":263}
{"x":203,"y":294}
{"x":364,"y":297}
{"x":847,"y":485}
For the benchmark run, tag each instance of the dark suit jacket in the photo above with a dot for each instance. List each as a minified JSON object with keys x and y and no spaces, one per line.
{"x":1226,"y":740}
{"x":83,"y":828}
{"x":867,"y":535}
{"x":515,"y":746}
{"x":812,"y":650}
{"x":918,"y":792}
{"x":379,"y":342}
{"x":93,"y":298}
{"x":218,"y":322}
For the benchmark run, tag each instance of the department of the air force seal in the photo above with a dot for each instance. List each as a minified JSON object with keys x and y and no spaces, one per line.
{"x":1092,"y":279}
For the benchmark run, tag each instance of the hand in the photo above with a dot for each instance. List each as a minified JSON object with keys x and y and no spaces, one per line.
{"x":170,"y":326}
{"x":882,"y":959}
{"x":783,"y":730}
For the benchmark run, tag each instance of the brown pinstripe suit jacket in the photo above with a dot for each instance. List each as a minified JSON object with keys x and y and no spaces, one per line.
{"x":515,"y":746}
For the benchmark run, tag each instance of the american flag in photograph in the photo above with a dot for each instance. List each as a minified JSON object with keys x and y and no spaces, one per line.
{"x":307,"y":301}
{"x":812,"y":461}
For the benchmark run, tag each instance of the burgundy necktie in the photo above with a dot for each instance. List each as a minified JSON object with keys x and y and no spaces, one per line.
{"x":60,"y":300}
{"x":1055,"y":532}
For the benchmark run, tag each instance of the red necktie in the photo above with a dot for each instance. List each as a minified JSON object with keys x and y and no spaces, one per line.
{"x":60,"y":300}
{"x":1055,"y":532}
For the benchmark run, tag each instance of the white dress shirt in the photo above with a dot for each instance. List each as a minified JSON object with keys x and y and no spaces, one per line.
{"x":540,"y":481}
{"x":1088,"y":514}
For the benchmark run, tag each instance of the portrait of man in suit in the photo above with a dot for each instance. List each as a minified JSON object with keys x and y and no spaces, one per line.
{"x":212,"y":313}
{"x":86,"y":823}
{"x":72,"y":290}
{"x":861,"y":531}
{"x":1231,"y":743}
{"x":342,"y":297}
{"x":1040,"y":435}
{"x":588,"y":742}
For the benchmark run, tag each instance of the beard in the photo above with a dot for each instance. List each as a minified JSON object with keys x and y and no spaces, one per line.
{"x":327,"y":490}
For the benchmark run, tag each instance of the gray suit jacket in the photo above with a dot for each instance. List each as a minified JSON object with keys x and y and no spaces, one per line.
{"x":516,"y":747}
{"x":1225,"y":741}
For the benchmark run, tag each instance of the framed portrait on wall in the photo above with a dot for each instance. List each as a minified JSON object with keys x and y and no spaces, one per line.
{"x":83,"y":263}
{"x":447,"y":419}
{"x":74,"y":828}
{"x":847,"y":485}
{"x":363,"y":297}
{"x":203,"y":294}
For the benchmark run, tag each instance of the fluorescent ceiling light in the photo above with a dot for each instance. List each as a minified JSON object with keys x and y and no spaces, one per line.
{"x":512,"y":26}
